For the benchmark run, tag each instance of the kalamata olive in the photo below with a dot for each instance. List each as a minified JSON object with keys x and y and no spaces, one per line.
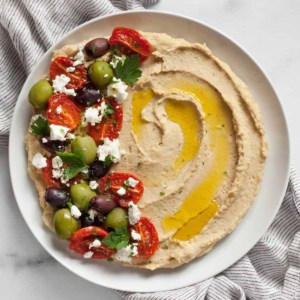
{"x":88,"y":96}
{"x":103,"y":204}
{"x":98,"y":169}
{"x":97,"y":47}
{"x":100,"y":218}
{"x":53,"y":146}
{"x":56,"y":196}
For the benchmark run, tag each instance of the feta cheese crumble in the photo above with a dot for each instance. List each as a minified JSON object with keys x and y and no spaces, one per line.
{"x":109,"y":148}
{"x":44,"y":140}
{"x":135,"y":235}
{"x":77,"y":63}
{"x":134,"y":213}
{"x":59,"y":85}
{"x":57,"y":173}
{"x":93,"y":184}
{"x":92,"y":116}
{"x":92,"y":214}
{"x":70,"y":69}
{"x":75,"y":212}
{"x":121,"y":191}
{"x":58,"y":133}
{"x":116,"y":59}
{"x":79,"y":55}
{"x":58,"y":110}
{"x":127,"y":253}
{"x":88,"y":254}
{"x":70,"y":136}
{"x":39,"y":161}
{"x":95,"y":243}
{"x":131,"y":182}
{"x":117,"y":90}
{"x":57,"y":162}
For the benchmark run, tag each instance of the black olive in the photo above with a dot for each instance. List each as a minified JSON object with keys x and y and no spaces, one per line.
{"x":53,"y":146}
{"x":56,"y":197}
{"x":103,"y":204}
{"x":98,"y":169}
{"x":88,"y":96}
{"x":97,"y":47}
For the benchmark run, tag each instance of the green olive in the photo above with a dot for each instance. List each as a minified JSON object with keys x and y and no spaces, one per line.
{"x":116,"y":218}
{"x":87,"y":147}
{"x":81,"y":195}
{"x":101,"y":73}
{"x":39,"y":93}
{"x":64,"y":224}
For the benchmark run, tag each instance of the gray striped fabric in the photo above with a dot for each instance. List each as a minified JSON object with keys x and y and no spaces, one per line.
{"x":271,"y":270}
{"x":28,"y":28}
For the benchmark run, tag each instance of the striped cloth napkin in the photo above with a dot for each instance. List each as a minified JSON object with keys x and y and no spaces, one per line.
{"x":271,"y":270}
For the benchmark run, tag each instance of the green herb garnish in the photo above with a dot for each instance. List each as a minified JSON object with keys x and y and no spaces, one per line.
{"x":109,"y":110}
{"x":109,"y":160}
{"x":117,"y":239}
{"x":107,"y":185}
{"x":75,"y":163}
{"x":40,"y":126}
{"x":128,"y":71}
{"x":162,"y":193}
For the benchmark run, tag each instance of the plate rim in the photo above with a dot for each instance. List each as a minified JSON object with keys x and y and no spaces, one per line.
{"x":213,"y":29}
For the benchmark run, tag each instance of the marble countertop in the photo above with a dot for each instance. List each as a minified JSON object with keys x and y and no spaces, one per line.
{"x":268,"y":30}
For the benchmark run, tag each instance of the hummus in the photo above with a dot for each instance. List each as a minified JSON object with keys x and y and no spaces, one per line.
{"x":194,"y":135}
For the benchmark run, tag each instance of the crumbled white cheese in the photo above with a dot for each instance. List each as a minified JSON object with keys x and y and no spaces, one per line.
{"x":39,"y":161}
{"x":44,"y":140}
{"x":93,"y":184}
{"x":75,"y":212}
{"x":121,"y":191}
{"x":135,"y":235}
{"x":85,"y":171}
{"x":77,"y":63}
{"x":70,"y":136}
{"x":58,"y":133}
{"x":92,"y":214}
{"x":117,"y":90}
{"x":57,"y":173}
{"x":109,"y":148}
{"x":35,"y":117}
{"x":92,"y":116}
{"x":59,"y":85}
{"x":134,"y":213}
{"x":70,"y":69}
{"x":116,"y":59}
{"x":127,"y":253}
{"x":57,"y":162}
{"x":64,"y":180}
{"x":131,"y":182}
{"x":95,"y":243}
{"x":102,"y":107}
{"x":88,"y":254}
{"x":79,"y":55}
{"x":58,"y":110}
{"x":122,"y":152}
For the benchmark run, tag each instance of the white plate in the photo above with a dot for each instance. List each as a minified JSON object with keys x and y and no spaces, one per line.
{"x":230,"y":249}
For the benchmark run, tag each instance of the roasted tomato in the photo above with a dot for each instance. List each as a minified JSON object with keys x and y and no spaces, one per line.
{"x":82,"y":238}
{"x":59,"y":66}
{"x":47,"y":174}
{"x":111,"y":124}
{"x":149,"y":238}
{"x":111,"y":183}
{"x":69,"y":114}
{"x":130,"y":42}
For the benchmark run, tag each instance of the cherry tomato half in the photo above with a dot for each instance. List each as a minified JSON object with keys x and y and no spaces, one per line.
{"x":82,"y":239}
{"x":111,"y":124}
{"x":130,"y":41}
{"x":69,"y":115}
{"x":59,"y":66}
{"x":47,"y":174}
{"x":111,"y":183}
{"x":149,"y":238}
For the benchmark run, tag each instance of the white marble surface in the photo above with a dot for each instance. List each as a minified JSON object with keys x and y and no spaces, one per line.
{"x":268,"y":30}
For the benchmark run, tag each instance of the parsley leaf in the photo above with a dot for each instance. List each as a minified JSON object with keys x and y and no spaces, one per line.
{"x":128,"y":71}
{"x":107,"y":185}
{"x":75,"y":163}
{"x":40,"y":126}
{"x":117,"y":239}
{"x":109,"y":110}
{"x":109,"y":159}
